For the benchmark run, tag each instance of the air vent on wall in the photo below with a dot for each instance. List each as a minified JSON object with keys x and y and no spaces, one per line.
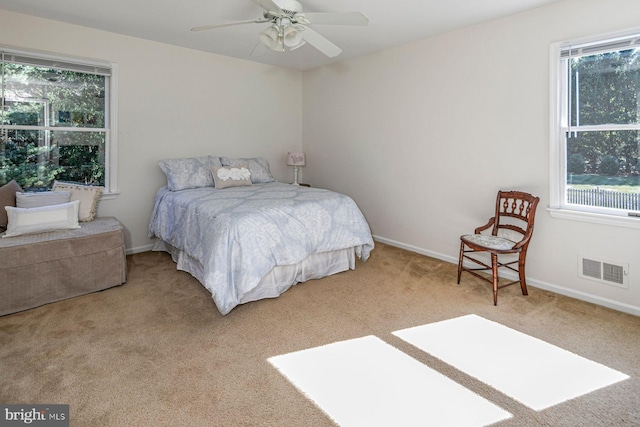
{"x":609,"y":272}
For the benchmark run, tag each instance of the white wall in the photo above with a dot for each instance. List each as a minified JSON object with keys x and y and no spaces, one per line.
{"x":175,"y":102}
{"x":423,"y":135}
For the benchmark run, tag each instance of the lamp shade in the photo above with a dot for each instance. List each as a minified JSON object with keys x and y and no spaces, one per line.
{"x":295,"y":159}
{"x":270,"y":37}
{"x":292,"y":36}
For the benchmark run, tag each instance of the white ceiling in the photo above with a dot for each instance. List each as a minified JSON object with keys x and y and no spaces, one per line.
{"x":170,"y":21}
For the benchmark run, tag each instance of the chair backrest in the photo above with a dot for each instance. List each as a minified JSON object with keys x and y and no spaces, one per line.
{"x":515,"y":211}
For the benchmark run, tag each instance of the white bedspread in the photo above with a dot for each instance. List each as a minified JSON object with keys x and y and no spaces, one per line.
{"x":239,"y":234}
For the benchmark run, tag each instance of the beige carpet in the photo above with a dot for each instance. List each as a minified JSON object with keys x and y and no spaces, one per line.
{"x":157,"y":352}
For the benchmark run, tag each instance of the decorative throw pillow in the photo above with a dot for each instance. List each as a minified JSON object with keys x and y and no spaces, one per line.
{"x":231,"y":176}
{"x":87,"y":195}
{"x":258,"y":167}
{"x":44,"y":198}
{"x":189,"y":173}
{"x":42,"y":219}
{"x":7,"y":198}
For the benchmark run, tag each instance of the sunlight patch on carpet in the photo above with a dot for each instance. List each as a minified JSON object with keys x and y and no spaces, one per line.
{"x":367,"y":382}
{"x":531,"y":371}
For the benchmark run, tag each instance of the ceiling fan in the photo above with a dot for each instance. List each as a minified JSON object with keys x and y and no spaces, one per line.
{"x":290,"y":26}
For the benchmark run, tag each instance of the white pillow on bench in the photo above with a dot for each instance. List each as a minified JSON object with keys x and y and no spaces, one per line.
{"x":42,"y":198}
{"x":38,"y":220}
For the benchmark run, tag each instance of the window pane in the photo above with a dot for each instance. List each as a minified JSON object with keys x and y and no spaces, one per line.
{"x":49,"y":97}
{"x":604,"y":88}
{"x":602,"y":169}
{"x":27,"y":113}
{"x":36,"y":158}
{"x":81,"y":155}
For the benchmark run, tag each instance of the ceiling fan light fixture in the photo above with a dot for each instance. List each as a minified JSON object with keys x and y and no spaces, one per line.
{"x":270,"y":36}
{"x":292,"y":36}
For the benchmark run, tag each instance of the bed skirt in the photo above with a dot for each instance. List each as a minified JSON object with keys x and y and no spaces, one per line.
{"x":281,"y":277}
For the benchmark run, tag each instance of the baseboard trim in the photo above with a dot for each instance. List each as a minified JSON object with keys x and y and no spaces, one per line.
{"x":595,"y":299}
{"x":416,"y":249}
{"x":139,"y":249}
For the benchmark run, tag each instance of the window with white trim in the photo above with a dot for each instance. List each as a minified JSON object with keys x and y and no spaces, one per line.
{"x":595,"y":129}
{"x":56,"y":121}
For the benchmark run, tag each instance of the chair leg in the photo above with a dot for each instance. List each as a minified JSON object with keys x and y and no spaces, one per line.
{"x":460,"y":261}
{"x":494,"y":271}
{"x":523,"y":280}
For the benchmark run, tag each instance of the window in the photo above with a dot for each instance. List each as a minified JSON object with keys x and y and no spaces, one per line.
{"x":595,"y":130}
{"x":56,"y":121}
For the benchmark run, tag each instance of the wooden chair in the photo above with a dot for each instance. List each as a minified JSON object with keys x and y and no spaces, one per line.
{"x":514,"y":215}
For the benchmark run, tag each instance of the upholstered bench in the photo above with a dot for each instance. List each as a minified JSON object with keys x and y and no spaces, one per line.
{"x":37,"y":269}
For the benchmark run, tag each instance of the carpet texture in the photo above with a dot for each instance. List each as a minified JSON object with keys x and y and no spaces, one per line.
{"x":155,"y":351}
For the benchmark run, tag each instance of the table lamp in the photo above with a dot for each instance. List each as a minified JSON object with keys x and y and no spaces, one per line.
{"x":295,"y":159}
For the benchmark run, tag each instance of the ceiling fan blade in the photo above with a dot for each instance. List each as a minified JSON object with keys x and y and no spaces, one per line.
{"x":320,"y":43}
{"x":229,"y":24}
{"x":259,"y":50}
{"x":337,"y":18}
{"x":268,"y":5}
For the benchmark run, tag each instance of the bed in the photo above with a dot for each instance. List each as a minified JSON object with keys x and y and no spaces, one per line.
{"x":255,"y":241}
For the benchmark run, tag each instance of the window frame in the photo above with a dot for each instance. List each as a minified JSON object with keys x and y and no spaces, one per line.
{"x":558,"y":125}
{"x":111,"y":121}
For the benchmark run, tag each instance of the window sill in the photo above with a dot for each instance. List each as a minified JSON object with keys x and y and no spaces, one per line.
{"x":110,"y":195}
{"x":595,"y":218}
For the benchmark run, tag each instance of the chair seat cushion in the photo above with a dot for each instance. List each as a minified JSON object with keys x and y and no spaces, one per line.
{"x":489,"y":241}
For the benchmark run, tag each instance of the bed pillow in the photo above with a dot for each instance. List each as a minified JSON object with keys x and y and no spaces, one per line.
{"x":189,"y":173}
{"x":42,"y":219}
{"x":231,"y":176}
{"x":258,"y":167}
{"x":87,"y":195}
{"x":44,"y":198}
{"x":7,"y":198}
